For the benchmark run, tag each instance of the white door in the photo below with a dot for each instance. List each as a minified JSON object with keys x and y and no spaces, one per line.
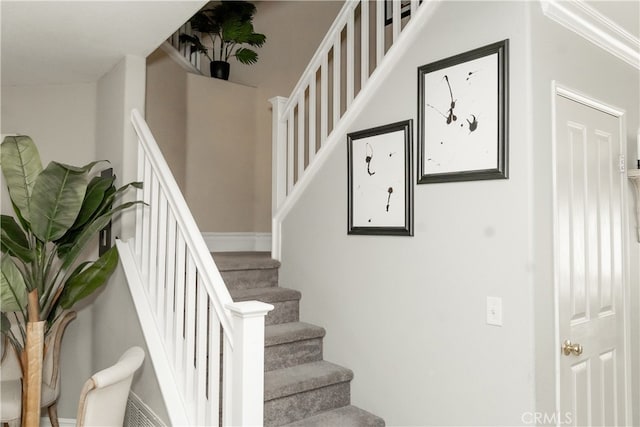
{"x":590,"y":262}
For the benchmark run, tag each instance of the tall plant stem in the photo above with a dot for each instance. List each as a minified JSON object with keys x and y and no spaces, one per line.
{"x":34,"y":306}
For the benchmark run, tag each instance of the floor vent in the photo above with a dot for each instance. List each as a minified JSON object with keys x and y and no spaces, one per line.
{"x":138,"y":414}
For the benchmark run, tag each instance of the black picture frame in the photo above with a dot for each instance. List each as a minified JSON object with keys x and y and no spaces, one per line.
{"x":380,"y":160}
{"x":405,"y":10}
{"x":474,"y":88}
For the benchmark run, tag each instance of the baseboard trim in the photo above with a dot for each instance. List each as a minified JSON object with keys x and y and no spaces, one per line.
{"x":64,"y":422}
{"x":588,"y":23}
{"x":237,"y":242}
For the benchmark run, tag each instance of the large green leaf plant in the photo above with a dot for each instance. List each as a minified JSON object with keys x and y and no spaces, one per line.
{"x":229,"y":26}
{"x":58,"y":211}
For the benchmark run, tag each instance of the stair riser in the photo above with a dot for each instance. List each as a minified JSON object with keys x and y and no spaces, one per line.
{"x":292,"y":354}
{"x":298,"y":406}
{"x":283,"y":312}
{"x":250,"y":279}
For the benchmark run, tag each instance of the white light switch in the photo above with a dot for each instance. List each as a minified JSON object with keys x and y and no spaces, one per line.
{"x":494,"y":311}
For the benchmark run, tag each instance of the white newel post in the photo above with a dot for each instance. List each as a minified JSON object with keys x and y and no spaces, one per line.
{"x":247,"y":363}
{"x":278,"y":167}
{"x":279,"y":153}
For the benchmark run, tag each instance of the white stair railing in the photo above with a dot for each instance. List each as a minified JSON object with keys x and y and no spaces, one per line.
{"x":332,"y":89}
{"x":193,"y":329}
{"x":181,"y":52}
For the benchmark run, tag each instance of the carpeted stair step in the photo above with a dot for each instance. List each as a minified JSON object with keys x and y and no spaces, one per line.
{"x":292,"y":394}
{"x":243,"y":270}
{"x":286,"y":302}
{"x":347,"y":416}
{"x":291,"y":344}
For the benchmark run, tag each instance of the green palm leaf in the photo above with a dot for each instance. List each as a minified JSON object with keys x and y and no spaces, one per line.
{"x":13,"y":239}
{"x":13,"y":290}
{"x":56,"y":202}
{"x":246,"y":56}
{"x":21,"y":166}
{"x":89,"y":232}
{"x":83,"y":284}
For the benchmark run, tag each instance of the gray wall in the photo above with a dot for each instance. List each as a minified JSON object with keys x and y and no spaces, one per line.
{"x":408,"y":314}
{"x":294,"y":30}
{"x":61,"y":121}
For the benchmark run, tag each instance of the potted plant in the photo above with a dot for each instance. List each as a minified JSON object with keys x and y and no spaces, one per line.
{"x":58,"y":210}
{"x":229,"y":26}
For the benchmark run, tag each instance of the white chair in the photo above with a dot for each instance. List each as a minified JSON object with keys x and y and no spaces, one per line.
{"x":103,"y":400}
{"x":11,"y":375}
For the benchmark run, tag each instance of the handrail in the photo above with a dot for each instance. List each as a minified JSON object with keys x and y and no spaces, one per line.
{"x":212,"y":279}
{"x":193,"y":329}
{"x":298,"y":155}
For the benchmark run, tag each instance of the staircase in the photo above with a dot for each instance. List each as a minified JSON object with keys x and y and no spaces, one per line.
{"x":205,"y":322}
{"x":300,"y":388}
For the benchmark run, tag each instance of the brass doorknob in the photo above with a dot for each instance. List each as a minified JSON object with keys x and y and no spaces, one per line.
{"x":568,"y":348}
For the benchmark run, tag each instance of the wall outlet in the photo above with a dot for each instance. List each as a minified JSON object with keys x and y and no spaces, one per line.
{"x":494,"y":311}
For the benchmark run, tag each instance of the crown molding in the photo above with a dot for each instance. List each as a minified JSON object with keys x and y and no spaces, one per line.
{"x":584,"y":20}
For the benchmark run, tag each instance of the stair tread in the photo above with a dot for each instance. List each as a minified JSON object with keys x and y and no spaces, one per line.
{"x":284,"y":333}
{"x":234,"y":261}
{"x":347,"y":416}
{"x":301,"y":378}
{"x":268,"y":294}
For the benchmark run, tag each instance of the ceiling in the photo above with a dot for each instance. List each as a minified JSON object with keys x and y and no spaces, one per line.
{"x":61,"y":42}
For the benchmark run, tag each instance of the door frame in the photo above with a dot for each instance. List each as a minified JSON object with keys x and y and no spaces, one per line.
{"x":558,"y":89}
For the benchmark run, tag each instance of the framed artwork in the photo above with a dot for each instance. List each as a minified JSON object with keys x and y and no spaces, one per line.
{"x":380,"y":191}
{"x":405,"y":10}
{"x":463,"y":116}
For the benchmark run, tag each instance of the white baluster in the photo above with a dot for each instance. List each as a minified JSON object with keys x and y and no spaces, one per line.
{"x":152,"y":273}
{"x":162,"y":261}
{"x":140,"y":208}
{"x":397,"y":19}
{"x":201,"y":356}
{"x":324,"y":98}
{"x":290,"y":151}
{"x":213,"y":409}
{"x":380,"y":5}
{"x":279,"y":153}
{"x":312,"y":118}
{"x":191,"y":284}
{"x":364,"y":42}
{"x":178,"y":316}
{"x":146,"y":220}
{"x":169,"y":315}
{"x":350,"y":56}
{"x":301,"y":138}
{"x":337,"y":70}
{"x":414,"y":7}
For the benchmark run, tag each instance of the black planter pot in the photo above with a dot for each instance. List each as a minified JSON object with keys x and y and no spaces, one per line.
{"x":219,"y":69}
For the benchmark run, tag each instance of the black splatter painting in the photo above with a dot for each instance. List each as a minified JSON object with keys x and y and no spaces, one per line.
{"x":461,"y":116}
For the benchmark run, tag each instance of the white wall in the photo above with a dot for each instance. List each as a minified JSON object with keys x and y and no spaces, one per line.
{"x":116,"y":326}
{"x":408,"y":313}
{"x":61,"y":121}
{"x":561,"y":55}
